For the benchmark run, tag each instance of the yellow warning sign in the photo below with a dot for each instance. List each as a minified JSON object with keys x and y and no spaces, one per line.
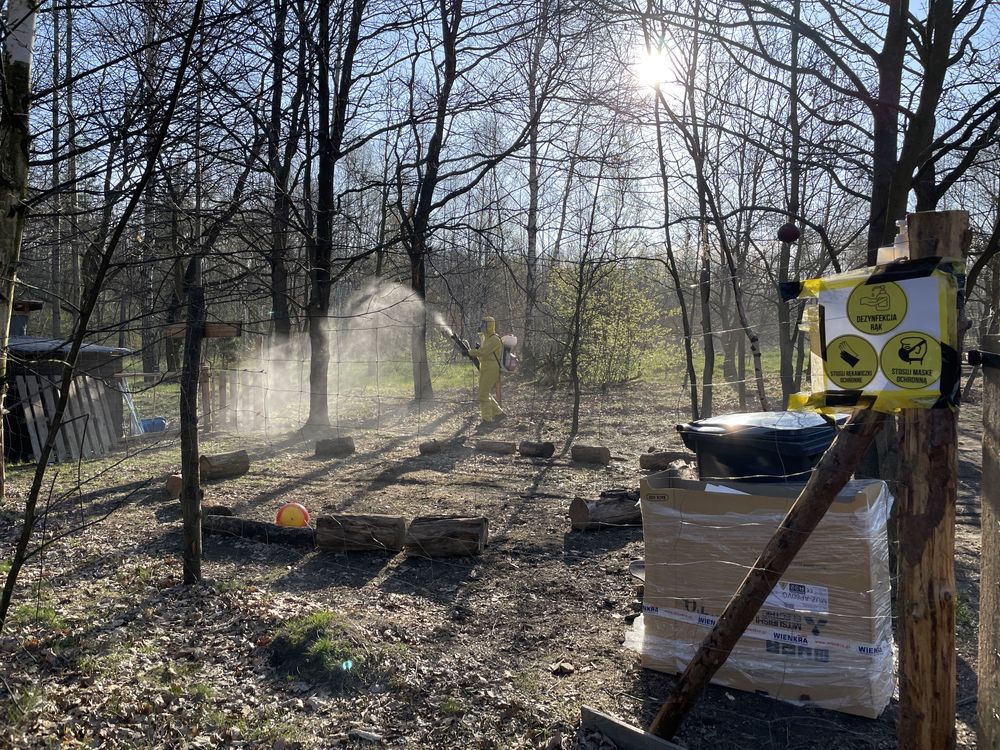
{"x":912,"y":360}
{"x":884,"y":337}
{"x":851,"y":362}
{"x":876,"y":308}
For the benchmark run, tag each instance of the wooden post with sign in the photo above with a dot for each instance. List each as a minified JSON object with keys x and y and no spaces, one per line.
{"x":929,"y":480}
{"x":988,"y":704}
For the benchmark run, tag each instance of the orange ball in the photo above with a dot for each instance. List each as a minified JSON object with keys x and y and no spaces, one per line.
{"x":292,"y":514}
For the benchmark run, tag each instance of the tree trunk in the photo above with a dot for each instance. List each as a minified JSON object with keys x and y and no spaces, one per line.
{"x":536,"y":450}
{"x":330,"y":137}
{"x":357,"y":532}
{"x":692,"y":377}
{"x":56,"y":280}
{"x":786,"y":333}
{"x":616,"y":508}
{"x":258,"y":531}
{"x":885,"y":133}
{"x":280,"y":215}
{"x":335,"y":447}
{"x":591,"y":454}
{"x":444,"y":536}
{"x":422,"y":387}
{"x":74,"y":290}
{"x":224,"y":465}
{"x":416,"y":225}
{"x":502,"y":447}
{"x":534,"y":190}
{"x":190,"y":467}
{"x":14,"y":189}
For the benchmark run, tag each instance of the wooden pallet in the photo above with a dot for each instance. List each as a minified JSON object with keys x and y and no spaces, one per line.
{"x":87,"y":430}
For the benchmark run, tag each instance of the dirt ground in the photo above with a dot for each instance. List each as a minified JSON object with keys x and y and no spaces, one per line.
{"x":107,"y":649}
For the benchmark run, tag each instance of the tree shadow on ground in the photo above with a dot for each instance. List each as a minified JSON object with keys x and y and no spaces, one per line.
{"x":439,"y":580}
{"x":583,"y":546}
{"x":320,"y":570}
{"x":326,"y":466}
{"x":734,"y":720}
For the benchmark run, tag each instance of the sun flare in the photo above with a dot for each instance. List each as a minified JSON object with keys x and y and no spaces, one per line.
{"x":654,"y":69}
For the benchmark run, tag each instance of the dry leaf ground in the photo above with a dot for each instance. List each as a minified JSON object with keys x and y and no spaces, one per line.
{"x":106,"y":649}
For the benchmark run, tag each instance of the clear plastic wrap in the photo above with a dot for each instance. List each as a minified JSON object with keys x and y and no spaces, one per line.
{"x":823,"y":636}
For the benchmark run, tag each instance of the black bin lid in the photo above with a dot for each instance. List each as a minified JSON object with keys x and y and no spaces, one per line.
{"x":802,"y":432}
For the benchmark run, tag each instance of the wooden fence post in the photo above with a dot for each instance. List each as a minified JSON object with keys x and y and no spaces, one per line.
{"x":926,"y":594}
{"x":223,"y":401}
{"x":988,"y":705}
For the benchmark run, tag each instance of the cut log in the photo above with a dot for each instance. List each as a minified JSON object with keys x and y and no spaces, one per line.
{"x":591,"y":454}
{"x":258,"y":531}
{"x":431,"y":446}
{"x":217,"y":510}
{"x":617,"y":507}
{"x":335,"y":447}
{"x":662,"y":459}
{"x":496,"y":446}
{"x":224,"y":465}
{"x":682,"y":469}
{"x":446,"y":536}
{"x":536,"y":450}
{"x":174,"y":484}
{"x":360,"y":532}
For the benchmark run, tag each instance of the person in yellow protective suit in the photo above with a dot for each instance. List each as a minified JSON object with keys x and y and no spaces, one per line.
{"x":488,"y":354}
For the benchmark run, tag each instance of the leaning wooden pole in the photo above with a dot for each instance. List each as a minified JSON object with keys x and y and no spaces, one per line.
{"x":826,"y":481}
{"x":926,"y":592}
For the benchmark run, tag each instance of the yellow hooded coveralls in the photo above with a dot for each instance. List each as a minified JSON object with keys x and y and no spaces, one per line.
{"x":488,"y":354}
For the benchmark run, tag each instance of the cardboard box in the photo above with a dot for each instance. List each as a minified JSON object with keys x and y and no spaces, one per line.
{"x":824,"y":635}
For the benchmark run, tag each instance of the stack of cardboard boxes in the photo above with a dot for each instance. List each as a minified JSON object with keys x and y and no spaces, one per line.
{"x":823,"y":637}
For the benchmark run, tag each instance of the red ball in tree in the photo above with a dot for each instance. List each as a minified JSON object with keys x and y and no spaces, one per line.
{"x":788,"y":232}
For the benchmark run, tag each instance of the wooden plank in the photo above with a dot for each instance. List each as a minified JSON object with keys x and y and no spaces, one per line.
{"x":222,"y":330}
{"x":95,"y":443}
{"x":926,"y":522}
{"x":624,"y":736}
{"x":209,"y":331}
{"x":87,"y":406}
{"x":112,"y":430}
{"x":61,"y":445}
{"x":27,"y":404}
{"x":73,"y":423}
{"x":988,"y":702}
{"x":99,"y":417}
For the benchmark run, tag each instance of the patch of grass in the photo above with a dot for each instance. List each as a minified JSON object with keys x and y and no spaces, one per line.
{"x":200,"y":691}
{"x":231,"y":585}
{"x":320,"y":646}
{"x":20,"y":710}
{"x":963,"y":615}
{"x":39,"y":613}
{"x":452,"y":707}
{"x":260,"y":731}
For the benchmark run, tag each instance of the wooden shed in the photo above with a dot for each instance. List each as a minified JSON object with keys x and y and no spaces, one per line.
{"x":93,"y":423}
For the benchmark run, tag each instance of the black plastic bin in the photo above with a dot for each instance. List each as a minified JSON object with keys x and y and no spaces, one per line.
{"x":767,"y":446}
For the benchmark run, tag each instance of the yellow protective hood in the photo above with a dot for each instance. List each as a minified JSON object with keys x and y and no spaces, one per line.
{"x":489,"y":326}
